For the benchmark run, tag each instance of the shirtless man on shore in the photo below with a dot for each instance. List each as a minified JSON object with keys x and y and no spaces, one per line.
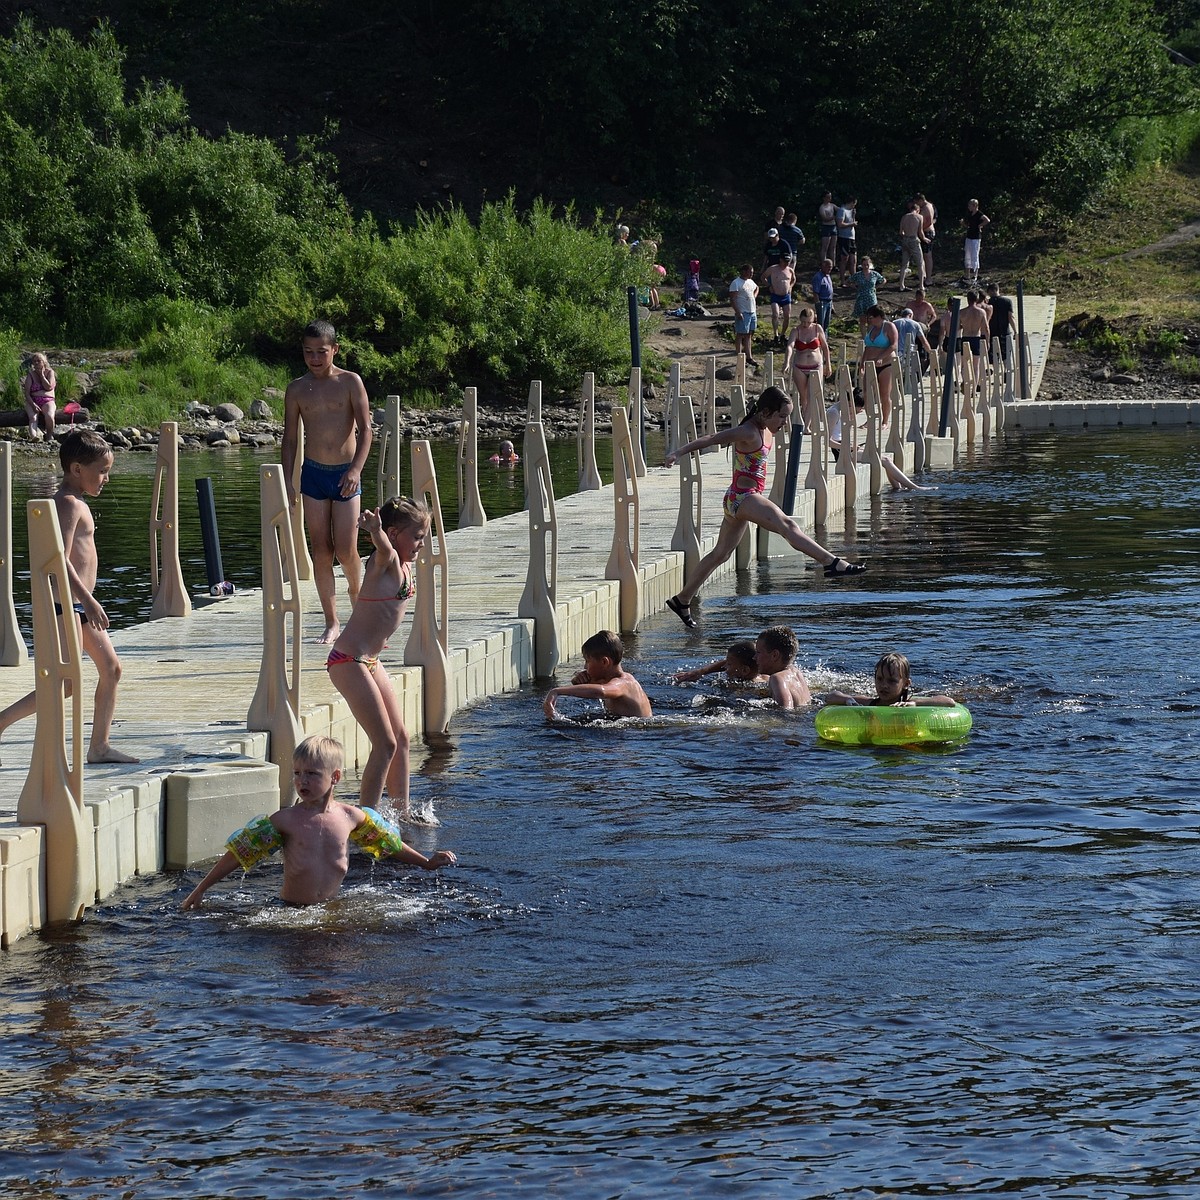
{"x":912,"y":245}
{"x":332,"y":405}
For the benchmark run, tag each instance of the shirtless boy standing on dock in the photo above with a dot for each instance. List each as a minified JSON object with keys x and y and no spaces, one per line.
{"x":332,"y":404}
{"x":86,"y":460}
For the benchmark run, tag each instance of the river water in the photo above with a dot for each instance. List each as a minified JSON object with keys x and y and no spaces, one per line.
{"x":705,"y":955}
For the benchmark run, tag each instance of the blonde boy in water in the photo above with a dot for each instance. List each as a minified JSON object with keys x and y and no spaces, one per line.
{"x":332,"y":406}
{"x":87,"y":461}
{"x":775,"y":654}
{"x":314,"y":834}
{"x":397,"y":530}
{"x":604,"y":679}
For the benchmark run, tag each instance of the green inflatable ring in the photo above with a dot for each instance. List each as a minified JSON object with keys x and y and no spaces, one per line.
{"x":873,"y":725}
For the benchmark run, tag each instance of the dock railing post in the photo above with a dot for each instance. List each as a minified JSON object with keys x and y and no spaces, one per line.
{"x":873,"y":432}
{"x":304,"y":567}
{"x":168,"y":593}
{"x":388,"y":479}
{"x":53,"y":791}
{"x":817,"y":480}
{"x":428,"y":641}
{"x":533,"y":417}
{"x":637,"y":420}
{"x":539,"y":600}
{"x":622,"y":562}
{"x":845,"y":466}
{"x":671,"y":413}
{"x":470,"y":503}
{"x":708,"y":413}
{"x":916,"y":387}
{"x":585,"y":437}
{"x":689,"y":525}
{"x":13,"y":651}
{"x":895,"y":439}
{"x":275,"y":707}
{"x":968,"y":370}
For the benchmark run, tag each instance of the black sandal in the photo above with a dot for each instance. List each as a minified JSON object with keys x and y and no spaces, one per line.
{"x":683,"y":612}
{"x":846,"y":568}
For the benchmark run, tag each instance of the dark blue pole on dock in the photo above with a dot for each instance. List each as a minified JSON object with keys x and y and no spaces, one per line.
{"x":948,"y":374}
{"x":793,"y":468}
{"x":635,"y":356}
{"x":213,"y":567}
{"x":1021,"y":339}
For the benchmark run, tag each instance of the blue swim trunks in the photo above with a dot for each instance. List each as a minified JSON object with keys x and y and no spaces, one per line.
{"x":745,"y":322}
{"x":319,"y":481}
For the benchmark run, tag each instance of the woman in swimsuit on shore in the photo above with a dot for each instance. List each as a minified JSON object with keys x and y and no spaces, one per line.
{"x":398,"y":530}
{"x":38,"y":389}
{"x":879,"y":346}
{"x":744,"y":500}
{"x":808,"y":358}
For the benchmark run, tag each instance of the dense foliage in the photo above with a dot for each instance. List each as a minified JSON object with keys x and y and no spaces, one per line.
{"x":120,"y":224}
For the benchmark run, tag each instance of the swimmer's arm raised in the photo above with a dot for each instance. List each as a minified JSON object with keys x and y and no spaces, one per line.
{"x":723,"y":438}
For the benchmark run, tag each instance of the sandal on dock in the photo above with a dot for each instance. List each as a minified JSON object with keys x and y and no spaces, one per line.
{"x":840,"y":566}
{"x":683,"y":612}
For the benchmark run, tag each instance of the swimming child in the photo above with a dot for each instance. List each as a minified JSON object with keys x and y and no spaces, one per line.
{"x":87,"y":461}
{"x":744,"y":500}
{"x":398,"y":530}
{"x":604,"y":679}
{"x":314,"y":834}
{"x":507,"y":456}
{"x":332,"y":406}
{"x":775,"y":655}
{"x":38,"y":390}
{"x":893,"y":688}
{"x":738,"y":664}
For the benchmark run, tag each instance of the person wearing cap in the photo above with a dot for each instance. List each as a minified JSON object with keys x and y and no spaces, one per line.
{"x":775,"y":248}
{"x":780,"y":281}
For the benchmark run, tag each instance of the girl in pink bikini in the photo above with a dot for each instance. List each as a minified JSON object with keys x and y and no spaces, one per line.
{"x":744,"y":500}
{"x":398,"y":530}
{"x":808,"y":359}
{"x":38,"y":389}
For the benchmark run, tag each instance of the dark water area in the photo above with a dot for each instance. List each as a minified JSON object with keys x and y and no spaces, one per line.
{"x":704,"y":954}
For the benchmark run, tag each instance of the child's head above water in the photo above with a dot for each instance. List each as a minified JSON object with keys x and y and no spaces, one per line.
{"x":775,"y":649}
{"x":892,"y":677}
{"x":604,"y":644}
{"x":319,"y":751}
{"x":740,"y":664}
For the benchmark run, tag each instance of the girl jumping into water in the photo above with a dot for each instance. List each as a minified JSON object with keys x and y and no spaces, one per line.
{"x":744,"y":500}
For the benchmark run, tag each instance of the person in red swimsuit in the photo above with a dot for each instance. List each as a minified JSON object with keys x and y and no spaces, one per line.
{"x":398,"y":530}
{"x":744,"y":499}
{"x":808,"y":360}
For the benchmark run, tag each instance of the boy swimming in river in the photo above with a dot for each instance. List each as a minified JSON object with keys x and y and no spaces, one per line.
{"x":738,"y":664}
{"x":604,"y":679}
{"x":332,"y":406}
{"x":86,"y":460}
{"x":314,"y":834}
{"x":893,"y":688}
{"x":775,"y":654}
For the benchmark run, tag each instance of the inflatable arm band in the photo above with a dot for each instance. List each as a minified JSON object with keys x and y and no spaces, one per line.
{"x":875,"y":725}
{"x":377,"y":836}
{"x":255,"y":841}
